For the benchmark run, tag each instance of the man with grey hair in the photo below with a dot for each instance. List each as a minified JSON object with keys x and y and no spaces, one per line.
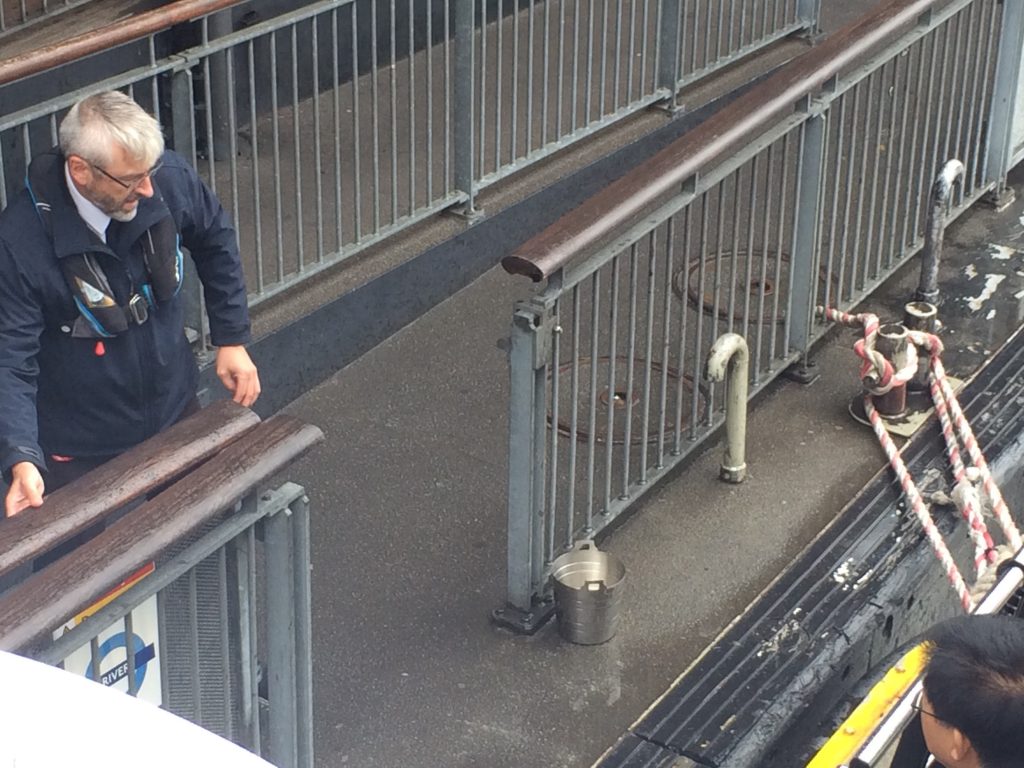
{"x":93,"y":353}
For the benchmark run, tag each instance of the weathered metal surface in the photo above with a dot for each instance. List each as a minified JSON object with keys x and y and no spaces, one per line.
{"x":49,"y":597}
{"x":86,"y":501}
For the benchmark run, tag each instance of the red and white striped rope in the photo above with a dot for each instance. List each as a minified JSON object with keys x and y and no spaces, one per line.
{"x":869,"y":324}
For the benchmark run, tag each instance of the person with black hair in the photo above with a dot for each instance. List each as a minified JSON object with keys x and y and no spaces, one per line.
{"x":972,"y":702}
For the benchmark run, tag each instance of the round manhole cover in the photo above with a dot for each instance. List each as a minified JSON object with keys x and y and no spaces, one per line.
{"x":623,"y":400}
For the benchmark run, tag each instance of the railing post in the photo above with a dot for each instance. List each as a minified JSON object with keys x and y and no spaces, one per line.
{"x":281,"y":646}
{"x":464,"y":106}
{"x":303,"y":631}
{"x":803,"y":272}
{"x":669,"y":43}
{"x":527,"y":412}
{"x":184,"y":133}
{"x":809,"y":13}
{"x":1004,"y":123}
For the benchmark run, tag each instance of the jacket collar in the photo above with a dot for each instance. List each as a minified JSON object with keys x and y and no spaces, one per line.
{"x":46,"y":184}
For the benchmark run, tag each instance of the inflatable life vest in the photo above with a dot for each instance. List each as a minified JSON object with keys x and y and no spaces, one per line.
{"x":100,"y":314}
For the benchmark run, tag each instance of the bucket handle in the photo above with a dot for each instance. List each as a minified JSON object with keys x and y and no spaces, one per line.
{"x":584,"y":545}
{"x":596,"y":585}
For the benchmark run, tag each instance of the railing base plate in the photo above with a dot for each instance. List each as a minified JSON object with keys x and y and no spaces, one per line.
{"x":524,"y":622}
{"x":1000,"y":200}
{"x":805,"y":373}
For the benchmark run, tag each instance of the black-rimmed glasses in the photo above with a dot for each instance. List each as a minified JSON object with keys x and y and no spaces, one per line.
{"x":916,"y":705}
{"x":129,"y":184}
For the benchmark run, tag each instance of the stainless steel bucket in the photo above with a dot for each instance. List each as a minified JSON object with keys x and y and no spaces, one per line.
{"x":588,"y":588}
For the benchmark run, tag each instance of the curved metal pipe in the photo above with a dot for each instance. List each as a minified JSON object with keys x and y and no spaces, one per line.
{"x":928,"y":288}
{"x":729,"y":357}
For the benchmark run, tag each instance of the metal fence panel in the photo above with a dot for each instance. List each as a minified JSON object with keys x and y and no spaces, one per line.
{"x":821,"y":209}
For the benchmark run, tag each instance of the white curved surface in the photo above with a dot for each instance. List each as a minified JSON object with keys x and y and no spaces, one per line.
{"x":49,"y":717}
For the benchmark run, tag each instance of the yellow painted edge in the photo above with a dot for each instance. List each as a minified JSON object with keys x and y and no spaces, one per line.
{"x":116,"y":592}
{"x":843,"y":745}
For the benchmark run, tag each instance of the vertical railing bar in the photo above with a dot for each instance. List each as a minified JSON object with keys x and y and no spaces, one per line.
{"x":211,"y":150}
{"x":716,"y":286}
{"x":898,"y":200}
{"x":574,"y":401}
{"x":981,"y":171}
{"x":448,"y":95}
{"x":575,"y":64}
{"x":840,"y":133}
{"x":666,"y":336}
{"x":95,"y":660}
{"x":317,"y":144}
{"x":297,"y":150}
{"x":613,"y":320}
{"x":129,"y":653}
{"x":617,"y":67}
{"x":865,"y":149}
{"x":357,"y":176}
{"x":500,"y":78}
{"x":302,"y":614}
{"x":909,"y":234}
{"x":275,"y":113}
{"x":546,"y":71}
{"x":765,"y":237}
{"x":482,"y":116}
{"x":707,"y":50}
{"x":969,"y":106}
{"x":553,"y":468}
{"x":887,"y":184}
{"x":644,"y":23}
{"x":925,"y":173}
{"x":374,"y":117}
{"x":257,"y":204}
{"x":393,"y":93}
{"x":604,"y":60}
{"x":412,"y":108}
{"x":719,"y":31}
{"x":630,"y":98}
{"x":869,"y":240}
{"x":677,"y":439}
{"x":737,"y":177}
{"x":530,"y":29}
{"x":429,"y":50}
{"x":778,"y":253}
{"x":588,"y":95}
{"x":560,"y":84}
{"x":652,"y":262}
{"x":592,"y":421}
{"x":193,"y":636}
{"x":699,"y":306}
{"x":225,"y":640}
{"x":957,"y":82}
{"x":514,"y":132}
{"x":627,"y":439}
{"x":336,"y":116}
{"x":749,"y":278}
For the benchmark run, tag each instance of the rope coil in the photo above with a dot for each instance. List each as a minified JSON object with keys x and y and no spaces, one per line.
{"x":879,"y":377}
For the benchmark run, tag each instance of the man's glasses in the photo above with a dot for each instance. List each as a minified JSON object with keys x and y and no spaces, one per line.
{"x":916,"y":705}
{"x":129,"y":184}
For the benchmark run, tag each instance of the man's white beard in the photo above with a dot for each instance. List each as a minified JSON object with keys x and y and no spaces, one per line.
{"x":121,"y":215}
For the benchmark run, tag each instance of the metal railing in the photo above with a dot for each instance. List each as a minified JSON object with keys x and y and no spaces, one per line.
{"x":218,"y":587}
{"x":329,"y":128}
{"x":19,"y":14}
{"x":811,"y":189}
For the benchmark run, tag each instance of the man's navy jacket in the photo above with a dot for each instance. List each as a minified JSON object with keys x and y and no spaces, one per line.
{"x":77,"y":397}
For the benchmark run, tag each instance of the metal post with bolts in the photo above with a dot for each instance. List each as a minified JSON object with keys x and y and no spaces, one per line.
{"x":892,"y":342}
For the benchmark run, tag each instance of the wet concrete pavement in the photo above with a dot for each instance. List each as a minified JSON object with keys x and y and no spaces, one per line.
{"x":408,"y":497}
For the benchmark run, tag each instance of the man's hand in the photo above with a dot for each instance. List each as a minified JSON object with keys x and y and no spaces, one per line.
{"x":238,"y":374}
{"x":26,"y":488}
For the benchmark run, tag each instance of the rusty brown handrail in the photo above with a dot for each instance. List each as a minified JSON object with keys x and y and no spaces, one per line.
{"x":94,"y":496}
{"x":120,"y":32}
{"x":45,"y":599}
{"x":622,"y":202}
